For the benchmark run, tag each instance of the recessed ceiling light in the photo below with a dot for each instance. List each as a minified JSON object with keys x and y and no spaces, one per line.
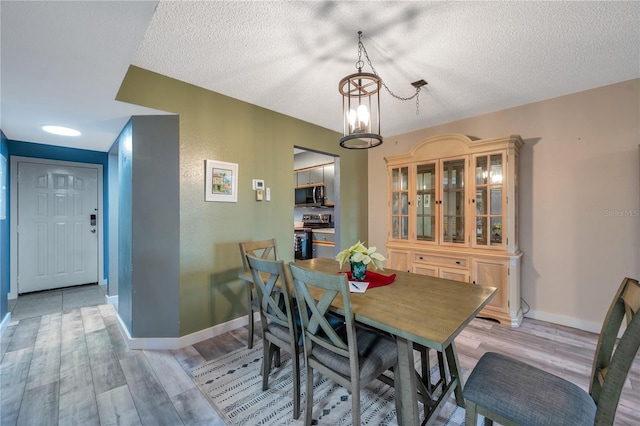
{"x":62,"y":131}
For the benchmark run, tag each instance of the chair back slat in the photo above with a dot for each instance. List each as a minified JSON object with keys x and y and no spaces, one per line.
{"x":614,"y":356}
{"x":327,"y":350}
{"x":316,"y":327}
{"x":273,"y":285}
{"x":264,"y":249}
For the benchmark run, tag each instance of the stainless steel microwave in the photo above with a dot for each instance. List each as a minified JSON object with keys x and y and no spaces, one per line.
{"x":310,"y":196}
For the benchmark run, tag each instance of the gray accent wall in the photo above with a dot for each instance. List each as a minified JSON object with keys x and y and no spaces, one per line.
{"x":149,"y":226}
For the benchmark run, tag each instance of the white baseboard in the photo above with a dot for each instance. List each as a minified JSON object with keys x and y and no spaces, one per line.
{"x":565,"y":320}
{"x":112,"y":300}
{"x":5,"y":323}
{"x":169,"y":343}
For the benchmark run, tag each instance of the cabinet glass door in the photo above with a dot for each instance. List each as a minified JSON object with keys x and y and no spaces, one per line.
{"x":453,"y":201}
{"x":426,"y":202}
{"x":400,"y":203}
{"x":489,"y":200}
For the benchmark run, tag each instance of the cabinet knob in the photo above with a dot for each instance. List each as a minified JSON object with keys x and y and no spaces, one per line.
{"x":457,"y":262}
{"x":421,"y":258}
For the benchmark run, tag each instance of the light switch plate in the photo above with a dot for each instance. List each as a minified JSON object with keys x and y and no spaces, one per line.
{"x":259,"y":194}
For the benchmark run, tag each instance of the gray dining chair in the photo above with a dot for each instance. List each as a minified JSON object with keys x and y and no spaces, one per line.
{"x":272,"y":281}
{"x":264,"y":249}
{"x":349,"y":355}
{"x":511,"y":392}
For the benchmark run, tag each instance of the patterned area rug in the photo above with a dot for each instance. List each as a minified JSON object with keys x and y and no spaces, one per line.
{"x":234,"y":385}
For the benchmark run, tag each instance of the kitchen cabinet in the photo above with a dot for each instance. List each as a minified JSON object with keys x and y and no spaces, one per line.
{"x":318,"y":175}
{"x":329,"y":179}
{"x":323,"y":243}
{"x":452,"y":213}
{"x":313,"y":175}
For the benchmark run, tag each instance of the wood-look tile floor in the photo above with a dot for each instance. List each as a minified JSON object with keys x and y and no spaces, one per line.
{"x":73,"y":367}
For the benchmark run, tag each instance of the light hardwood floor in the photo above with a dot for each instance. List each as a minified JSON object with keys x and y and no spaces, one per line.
{"x":73,"y":367}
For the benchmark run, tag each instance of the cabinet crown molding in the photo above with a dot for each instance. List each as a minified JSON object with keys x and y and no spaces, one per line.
{"x":450,"y":144}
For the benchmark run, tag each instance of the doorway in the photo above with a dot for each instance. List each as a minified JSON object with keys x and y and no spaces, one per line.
{"x":56,"y":236}
{"x":315,"y":168}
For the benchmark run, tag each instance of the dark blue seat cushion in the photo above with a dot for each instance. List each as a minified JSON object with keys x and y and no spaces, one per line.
{"x":527,"y":395}
{"x":335,"y":321}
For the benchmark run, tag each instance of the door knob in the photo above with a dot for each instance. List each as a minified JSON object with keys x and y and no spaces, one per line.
{"x":93,"y":231}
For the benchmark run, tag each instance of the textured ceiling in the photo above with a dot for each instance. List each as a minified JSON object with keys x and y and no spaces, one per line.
{"x":478,"y":57}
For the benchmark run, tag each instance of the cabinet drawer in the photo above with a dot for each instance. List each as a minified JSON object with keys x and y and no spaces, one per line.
{"x":323,"y":237}
{"x":454,"y":262}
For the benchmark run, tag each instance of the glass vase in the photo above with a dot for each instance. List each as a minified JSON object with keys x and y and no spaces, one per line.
{"x":358,"y":271}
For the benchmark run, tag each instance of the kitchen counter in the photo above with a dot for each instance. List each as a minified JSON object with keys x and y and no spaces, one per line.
{"x":324,"y":230}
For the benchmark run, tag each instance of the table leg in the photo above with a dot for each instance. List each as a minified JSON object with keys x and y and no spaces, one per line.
{"x":405,"y":377}
{"x":452,"y":361}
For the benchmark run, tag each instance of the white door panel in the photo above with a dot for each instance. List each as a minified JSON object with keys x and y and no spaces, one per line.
{"x":57,"y":243}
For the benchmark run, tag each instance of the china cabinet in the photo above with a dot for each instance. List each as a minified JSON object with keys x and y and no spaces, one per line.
{"x":452,"y":212}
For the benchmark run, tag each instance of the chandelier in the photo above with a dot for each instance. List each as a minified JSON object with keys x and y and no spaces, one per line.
{"x":361,"y":104}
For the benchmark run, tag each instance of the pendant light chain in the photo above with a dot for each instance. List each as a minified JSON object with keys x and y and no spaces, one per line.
{"x":359,"y":65}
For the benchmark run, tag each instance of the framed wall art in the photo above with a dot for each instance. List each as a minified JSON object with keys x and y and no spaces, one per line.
{"x":221,"y":181}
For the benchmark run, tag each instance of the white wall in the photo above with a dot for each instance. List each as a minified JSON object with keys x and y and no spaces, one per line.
{"x":579,"y":196}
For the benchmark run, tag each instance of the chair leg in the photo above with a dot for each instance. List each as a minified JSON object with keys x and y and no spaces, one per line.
{"x":250,"y":322}
{"x":296,"y":383}
{"x":355,"y":405}
{"x":398,"y":397}
{"x":267,"y":351}
{"x":471,"y":415}
{"x":309,"y":402}
{"x":276,"y":356}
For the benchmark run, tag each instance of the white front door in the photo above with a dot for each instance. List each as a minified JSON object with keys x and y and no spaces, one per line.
{"x":58,"y":232}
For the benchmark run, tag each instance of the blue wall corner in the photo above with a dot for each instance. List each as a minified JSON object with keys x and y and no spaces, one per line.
{"x":4,"y":225}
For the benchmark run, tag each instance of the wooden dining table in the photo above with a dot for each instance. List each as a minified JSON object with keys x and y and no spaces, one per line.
{"x":419,"y":309}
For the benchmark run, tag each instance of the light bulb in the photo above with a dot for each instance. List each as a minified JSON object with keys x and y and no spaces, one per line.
{"x":351,"y":115}
{"x":363,"y":115}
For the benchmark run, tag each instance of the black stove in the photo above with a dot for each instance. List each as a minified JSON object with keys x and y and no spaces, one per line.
{"x":302,"y":237}
{"x":315,"y":221}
